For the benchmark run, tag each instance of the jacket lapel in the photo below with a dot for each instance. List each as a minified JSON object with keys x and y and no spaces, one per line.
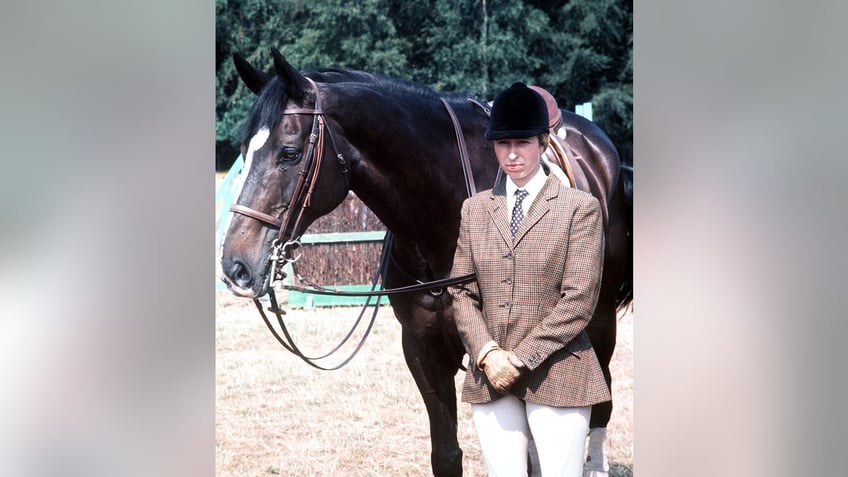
{"x":497,"y":208}
{"x":497,"y":213}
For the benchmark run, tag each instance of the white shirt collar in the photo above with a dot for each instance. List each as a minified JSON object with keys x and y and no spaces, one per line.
{"x":533,"y":187}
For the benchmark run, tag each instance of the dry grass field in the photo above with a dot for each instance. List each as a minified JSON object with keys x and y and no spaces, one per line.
{"x":275,"y":415}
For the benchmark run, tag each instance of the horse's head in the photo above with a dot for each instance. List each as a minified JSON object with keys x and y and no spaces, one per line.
{"x":292,"y":174}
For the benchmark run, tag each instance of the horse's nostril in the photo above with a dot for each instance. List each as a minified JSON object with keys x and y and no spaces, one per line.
{"x":241,"y":274}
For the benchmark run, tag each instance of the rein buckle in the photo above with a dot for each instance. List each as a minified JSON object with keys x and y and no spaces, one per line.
{"x":289,"y":252}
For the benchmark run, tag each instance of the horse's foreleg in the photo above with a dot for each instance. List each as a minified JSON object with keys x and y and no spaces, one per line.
{"x":602,"y":332}
{"x":434,"y":376}
{"x":597,"y":464}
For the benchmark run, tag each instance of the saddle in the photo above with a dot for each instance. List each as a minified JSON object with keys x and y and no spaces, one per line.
{"x":565,"y":151}
{"x":559,"y":152}
{"x":570,"y":152}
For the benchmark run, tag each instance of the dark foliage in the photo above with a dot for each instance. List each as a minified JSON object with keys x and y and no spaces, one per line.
{"x":580,"y":50}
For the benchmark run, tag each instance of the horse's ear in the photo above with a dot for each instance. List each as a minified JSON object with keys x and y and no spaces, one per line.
{"x":253,"y":78}
{"x":296,"y":84}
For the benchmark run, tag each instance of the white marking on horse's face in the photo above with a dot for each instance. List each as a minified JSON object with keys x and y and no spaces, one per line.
{"x":256,"y":142}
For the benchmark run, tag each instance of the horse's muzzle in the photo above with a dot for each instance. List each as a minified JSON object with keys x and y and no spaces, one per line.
{"x":238,"y":278}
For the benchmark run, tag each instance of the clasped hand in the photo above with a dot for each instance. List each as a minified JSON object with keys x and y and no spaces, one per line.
{"x":502,"y":369}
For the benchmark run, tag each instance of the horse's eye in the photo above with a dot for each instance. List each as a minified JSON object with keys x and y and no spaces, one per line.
{"x":289,"y":155}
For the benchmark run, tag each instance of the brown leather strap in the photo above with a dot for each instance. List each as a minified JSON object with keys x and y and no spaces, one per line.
{"x":260,"y":216}
{"x":294,"y":215}
{"x":563,"y":157}
{"x":470,"y":187}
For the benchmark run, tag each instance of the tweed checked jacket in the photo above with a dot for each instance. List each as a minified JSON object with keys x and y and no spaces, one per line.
{"x":534,"y":295}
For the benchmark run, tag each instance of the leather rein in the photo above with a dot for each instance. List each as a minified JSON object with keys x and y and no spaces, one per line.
{"x":287,"y":250}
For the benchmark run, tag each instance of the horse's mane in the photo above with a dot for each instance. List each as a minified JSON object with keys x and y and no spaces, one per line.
{"x":267,"y":111}
{"x":339,"y":75}
{"x":388,"y":83}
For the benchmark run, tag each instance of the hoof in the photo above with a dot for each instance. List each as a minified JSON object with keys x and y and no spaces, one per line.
{"x":595,"y":469}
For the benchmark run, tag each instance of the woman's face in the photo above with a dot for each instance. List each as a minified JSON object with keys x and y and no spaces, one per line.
{"x":519,"y":158}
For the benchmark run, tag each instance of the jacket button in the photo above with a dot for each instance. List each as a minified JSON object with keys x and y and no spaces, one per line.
{"x":508,"y":280}
{"x":508,"y":255}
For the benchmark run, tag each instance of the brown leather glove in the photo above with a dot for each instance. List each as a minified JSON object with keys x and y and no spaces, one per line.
{"x":519,"y":365}
{"x":500,"y":371}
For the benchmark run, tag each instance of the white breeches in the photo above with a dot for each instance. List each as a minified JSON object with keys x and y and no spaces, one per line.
{"x":504,"y":428}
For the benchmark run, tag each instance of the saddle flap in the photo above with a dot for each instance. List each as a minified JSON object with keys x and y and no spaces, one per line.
{"x":559,"y":153}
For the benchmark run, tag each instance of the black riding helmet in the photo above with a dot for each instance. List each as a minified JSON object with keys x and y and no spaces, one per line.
{"x":518,"y":112}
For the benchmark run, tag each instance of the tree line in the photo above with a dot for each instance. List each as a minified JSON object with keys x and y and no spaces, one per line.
{"x":579,"y":50}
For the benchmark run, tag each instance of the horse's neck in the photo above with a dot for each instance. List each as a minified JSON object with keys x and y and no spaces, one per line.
{"x":410,"y":175}
{"x":404,"y":164}
{"x":407,"y":197}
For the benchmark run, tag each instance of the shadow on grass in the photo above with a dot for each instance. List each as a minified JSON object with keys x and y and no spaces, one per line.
{"x":619,"y":470}
{"x":616,"y":470}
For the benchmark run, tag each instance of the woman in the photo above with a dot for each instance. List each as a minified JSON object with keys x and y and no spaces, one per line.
{"x":537,"y":249}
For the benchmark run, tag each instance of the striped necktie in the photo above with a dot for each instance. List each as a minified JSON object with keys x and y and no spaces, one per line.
{"x":517,"y":211}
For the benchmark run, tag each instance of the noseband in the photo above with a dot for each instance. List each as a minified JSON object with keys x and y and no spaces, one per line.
{"x":286,"y":248}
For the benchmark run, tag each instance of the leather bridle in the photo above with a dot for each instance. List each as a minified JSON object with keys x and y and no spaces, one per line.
{"x":285,"y":245}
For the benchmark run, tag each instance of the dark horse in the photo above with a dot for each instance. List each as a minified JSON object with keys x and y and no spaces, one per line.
{"x":392,"y":142}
